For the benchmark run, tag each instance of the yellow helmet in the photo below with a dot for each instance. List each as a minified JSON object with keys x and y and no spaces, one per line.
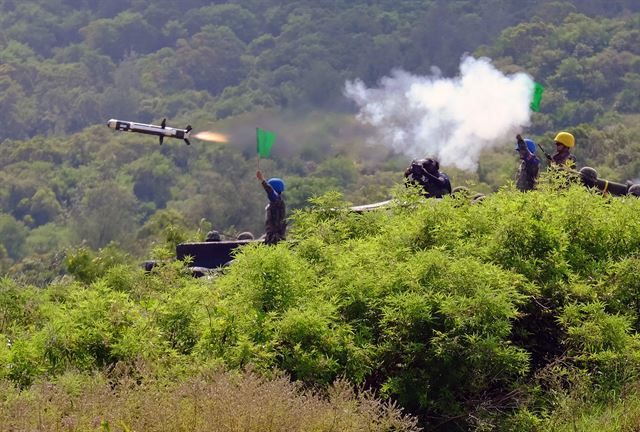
{"x":566,"y":139}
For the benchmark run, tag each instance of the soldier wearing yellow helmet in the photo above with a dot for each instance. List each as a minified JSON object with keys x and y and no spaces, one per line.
{"x":564,"y":142}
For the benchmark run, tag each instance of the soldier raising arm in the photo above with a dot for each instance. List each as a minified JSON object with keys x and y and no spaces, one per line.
{"x":529,"y":167}
{"x":275,"y":222}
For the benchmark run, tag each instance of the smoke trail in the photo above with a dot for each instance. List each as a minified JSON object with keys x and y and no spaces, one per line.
{"x":453,"y":119}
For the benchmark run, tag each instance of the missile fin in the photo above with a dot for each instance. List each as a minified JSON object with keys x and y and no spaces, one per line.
{"x":161,"y":139}
{"x":164,"y":123}
{"x":187,"y":141}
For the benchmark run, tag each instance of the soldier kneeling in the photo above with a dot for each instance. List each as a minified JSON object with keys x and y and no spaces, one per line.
{"x":426,"y":173}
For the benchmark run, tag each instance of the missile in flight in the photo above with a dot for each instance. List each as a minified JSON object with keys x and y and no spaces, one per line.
{"x":160,"y":131}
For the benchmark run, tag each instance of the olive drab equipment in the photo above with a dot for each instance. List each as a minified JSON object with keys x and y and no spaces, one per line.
{"x":589,"y":177}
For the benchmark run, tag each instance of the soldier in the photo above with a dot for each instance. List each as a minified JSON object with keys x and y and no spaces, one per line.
{"x":275,"y":223}
{"x":564,"y":142}
{"x":426,"y":173}
{"x":527,"y":177}
{"x":589,"y":176}
{"x":213,"y":236}
{"x":245,"y":235}
{"x":414,"y":173}
{"x":460,"y":192}
{"x":478,"y":198}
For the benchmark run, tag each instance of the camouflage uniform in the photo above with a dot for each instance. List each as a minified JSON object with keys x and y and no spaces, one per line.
{"x":564,"y":159}
{"x":437,"y":186}
{"x":527,"y":178}
{"x":434,"y":185}
{"x":275,"y":223}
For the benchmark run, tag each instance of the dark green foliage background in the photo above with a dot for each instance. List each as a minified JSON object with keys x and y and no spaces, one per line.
{"x":68,"y":66}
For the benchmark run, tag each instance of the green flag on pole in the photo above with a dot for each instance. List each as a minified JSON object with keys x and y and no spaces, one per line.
{"x":537,"y":96}
{"x":265,"y":140}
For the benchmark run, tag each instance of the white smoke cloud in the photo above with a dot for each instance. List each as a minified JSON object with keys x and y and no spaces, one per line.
{"x":453,"y":119}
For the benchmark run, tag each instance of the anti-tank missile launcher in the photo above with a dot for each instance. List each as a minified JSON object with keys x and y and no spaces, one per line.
{"x":590,"y":179}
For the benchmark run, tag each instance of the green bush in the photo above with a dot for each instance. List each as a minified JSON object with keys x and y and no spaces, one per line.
{"x":446,"y":298}
{"x":602,"y":342}
{"x":621,"y":288}
{"x":181,"y":316}
{"x":25,"y":359}
{"x":19,"y":305}
{"x":475,"y":315}
{"x":85,"y":332}
{"x":87,"y":265}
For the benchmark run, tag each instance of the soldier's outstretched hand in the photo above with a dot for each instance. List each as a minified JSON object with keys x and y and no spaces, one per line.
{"x":259,"y":175}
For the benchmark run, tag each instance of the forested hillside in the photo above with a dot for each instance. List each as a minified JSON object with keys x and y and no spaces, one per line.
{"x":516,"y":313}
{"x":70,"y":64}
{"x":67,"y":67}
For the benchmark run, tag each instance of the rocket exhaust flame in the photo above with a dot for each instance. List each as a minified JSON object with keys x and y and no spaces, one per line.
{"x":211,"y":136}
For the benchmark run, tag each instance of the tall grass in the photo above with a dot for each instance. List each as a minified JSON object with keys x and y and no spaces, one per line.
{"x":577,"y":411}
{"x":216,"y":401}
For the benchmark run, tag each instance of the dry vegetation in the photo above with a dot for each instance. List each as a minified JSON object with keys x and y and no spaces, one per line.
{"x":217,"y":401}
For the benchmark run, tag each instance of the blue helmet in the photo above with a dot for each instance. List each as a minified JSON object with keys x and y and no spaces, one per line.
{"x":277,"y":184}
{"x":530,"y":145}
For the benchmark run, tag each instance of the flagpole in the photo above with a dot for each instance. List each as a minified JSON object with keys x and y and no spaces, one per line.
{"x":258,"y":147}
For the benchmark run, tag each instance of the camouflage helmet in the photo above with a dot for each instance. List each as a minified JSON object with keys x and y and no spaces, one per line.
{"x":417,"y":164}
{"x":589,"y":175}
{"x":246,"y":235}
{"x":213,"y":236}
{"x":479,"y":197}
{"x":430,"y":163}
{"x":634,"y":190}
{"x":461,"y":191}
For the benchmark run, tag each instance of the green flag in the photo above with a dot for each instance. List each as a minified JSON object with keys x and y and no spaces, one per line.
{"x":265,"y":140}
{"x":537,"y":96}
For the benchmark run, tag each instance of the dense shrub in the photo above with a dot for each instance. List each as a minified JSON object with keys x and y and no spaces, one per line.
{"x":463,"y":313}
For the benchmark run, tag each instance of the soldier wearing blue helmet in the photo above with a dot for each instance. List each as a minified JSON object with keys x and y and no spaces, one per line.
{"x":275,"y":223}
{"x":527,"y":177}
